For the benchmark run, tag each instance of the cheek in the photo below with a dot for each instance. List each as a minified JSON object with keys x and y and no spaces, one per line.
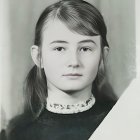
{"x":92,"y":62}
{"x":92,"y":73}
{"x":52,"y":65}
{"x":51,"y":71}
{"x":92,"y":67}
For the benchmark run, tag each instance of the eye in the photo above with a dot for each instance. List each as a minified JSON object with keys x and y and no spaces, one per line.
{"x":59,"y":49}
{"x":85,"y":49}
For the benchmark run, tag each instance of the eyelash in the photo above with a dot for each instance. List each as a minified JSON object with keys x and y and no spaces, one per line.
{"x":59,"y":49}
{"x":83,"y":49}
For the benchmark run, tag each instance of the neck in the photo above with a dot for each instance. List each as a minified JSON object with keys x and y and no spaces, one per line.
{"x":68,"y":97}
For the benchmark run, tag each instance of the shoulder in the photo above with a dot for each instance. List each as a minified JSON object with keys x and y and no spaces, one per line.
{"x":18,"y":125}
{"x":26,"y":127}
{"x":3,"y":135}
{"x":102,"y":108}
{"x":105,"y":105}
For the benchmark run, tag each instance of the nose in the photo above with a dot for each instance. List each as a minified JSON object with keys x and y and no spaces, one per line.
{"x":74,"y":60}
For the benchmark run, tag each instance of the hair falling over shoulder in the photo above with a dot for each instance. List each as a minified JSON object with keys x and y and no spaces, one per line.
{"x":35,"y":91}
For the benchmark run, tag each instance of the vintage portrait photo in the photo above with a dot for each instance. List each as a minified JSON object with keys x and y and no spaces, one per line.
{"x":69,"y":70}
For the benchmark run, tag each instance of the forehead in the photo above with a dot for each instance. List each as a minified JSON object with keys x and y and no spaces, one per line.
{"x":57,"y":30}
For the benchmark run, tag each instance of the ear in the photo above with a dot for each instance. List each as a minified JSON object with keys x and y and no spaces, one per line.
{"x":105,"y":52}
{"x":36,"y":56}
{"x":103,"y":57}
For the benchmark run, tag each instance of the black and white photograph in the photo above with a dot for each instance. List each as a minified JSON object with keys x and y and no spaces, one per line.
{"x":70,"y":70}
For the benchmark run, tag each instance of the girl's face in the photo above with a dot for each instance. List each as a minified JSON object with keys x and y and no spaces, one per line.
{"x":70,"y":60}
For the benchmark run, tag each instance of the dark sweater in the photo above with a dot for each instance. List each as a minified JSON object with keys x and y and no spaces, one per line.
{"x":52,"y":126}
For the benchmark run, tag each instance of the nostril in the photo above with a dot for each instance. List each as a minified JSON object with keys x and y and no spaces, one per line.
{"x":74,"y":65}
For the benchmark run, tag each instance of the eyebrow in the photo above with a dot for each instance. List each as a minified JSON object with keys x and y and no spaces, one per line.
{"x":83,"y":41}
{"x":87,"y":41}
{"x":59,"y":41}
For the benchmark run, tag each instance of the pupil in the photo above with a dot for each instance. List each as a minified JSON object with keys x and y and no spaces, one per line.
{"x":59,"y":49}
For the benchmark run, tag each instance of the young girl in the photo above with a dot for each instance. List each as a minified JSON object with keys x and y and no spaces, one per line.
{"x":64,"y":90}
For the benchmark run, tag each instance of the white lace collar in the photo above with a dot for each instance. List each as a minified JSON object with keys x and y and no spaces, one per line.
{"x":72,"y":108}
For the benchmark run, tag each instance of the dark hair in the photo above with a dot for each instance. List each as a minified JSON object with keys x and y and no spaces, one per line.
{"x":78,"y":16}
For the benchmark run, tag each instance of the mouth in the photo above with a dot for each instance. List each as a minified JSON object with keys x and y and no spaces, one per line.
{"x":73,"y":76}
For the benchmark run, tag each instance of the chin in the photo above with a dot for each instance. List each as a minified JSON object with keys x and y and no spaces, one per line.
{"x":72,"y":89}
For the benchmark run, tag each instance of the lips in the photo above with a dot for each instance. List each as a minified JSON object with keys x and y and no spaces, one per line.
{"x":72,"y":74}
